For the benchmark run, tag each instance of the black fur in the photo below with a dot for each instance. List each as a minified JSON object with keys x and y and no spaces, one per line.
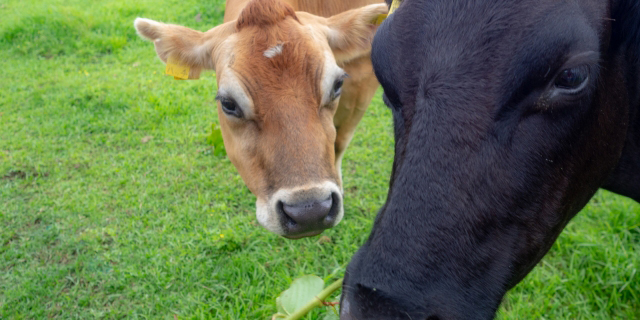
{"x":491,"y":161}
{"x":626,"y":29}
{"x":626,"y":45}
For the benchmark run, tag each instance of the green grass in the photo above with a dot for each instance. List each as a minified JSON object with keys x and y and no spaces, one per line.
{"x":99,"y":220}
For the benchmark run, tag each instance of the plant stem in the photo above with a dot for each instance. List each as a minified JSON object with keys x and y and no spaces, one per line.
{"x":316,"y":301}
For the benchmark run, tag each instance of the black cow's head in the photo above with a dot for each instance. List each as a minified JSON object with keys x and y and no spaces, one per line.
{"x":508,"y":116}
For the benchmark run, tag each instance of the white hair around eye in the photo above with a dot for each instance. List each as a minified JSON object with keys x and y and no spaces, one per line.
{"x":332,"y":72}
{"x":231,"y":88}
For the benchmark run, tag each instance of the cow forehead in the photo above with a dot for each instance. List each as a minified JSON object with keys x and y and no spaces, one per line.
{"x":286,"y":60}
{"x":480,"y":45}
{"x":497,"y":28}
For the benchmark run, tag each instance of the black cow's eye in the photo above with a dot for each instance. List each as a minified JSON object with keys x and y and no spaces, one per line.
{"x":230,"y":107}
{"x":572,"y":80}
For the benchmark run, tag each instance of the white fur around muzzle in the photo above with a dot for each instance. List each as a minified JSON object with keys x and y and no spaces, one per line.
{"x":267,"y":214}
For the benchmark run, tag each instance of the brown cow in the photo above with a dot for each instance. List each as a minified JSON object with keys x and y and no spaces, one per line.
{"x":281,"y":67}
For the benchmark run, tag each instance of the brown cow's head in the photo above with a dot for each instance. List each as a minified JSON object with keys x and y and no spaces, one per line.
{"x":279,"y":80}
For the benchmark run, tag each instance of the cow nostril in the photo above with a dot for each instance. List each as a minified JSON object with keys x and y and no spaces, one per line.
{"x":310,"y":215}
{"x":289,"y":221}
{"x":334,"y":210}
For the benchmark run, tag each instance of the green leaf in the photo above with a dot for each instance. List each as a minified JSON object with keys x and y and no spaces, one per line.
{"x":302,"y":290}
{"x":279,"y":306}
{"x":330,"y":316}
{"x":215,"y":140}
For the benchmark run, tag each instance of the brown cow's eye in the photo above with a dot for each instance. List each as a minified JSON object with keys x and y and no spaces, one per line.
{"x":230,"y":107}
{"x":337,"y":88}
{"x":572,"y":80}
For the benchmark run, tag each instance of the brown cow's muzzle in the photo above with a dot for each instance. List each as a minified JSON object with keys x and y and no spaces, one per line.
{"x":301,"y":212}
{"x":309,"y":218}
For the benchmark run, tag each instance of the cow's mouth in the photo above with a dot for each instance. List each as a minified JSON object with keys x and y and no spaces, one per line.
{"x":302,"y":235}
{"x":309,"y":223}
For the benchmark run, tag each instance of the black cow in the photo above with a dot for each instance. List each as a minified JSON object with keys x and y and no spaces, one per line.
{"x":508,"y":117}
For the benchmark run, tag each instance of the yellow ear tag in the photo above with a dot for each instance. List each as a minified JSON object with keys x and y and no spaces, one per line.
{"x":394,"y":5}
{"x":377,"y":21}
{"x":381,"y":17}
{"x":175,"y":69}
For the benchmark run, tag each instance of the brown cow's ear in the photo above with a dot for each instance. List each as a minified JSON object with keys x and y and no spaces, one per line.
{"x":195,"y":49}
{"x":351,"y":32}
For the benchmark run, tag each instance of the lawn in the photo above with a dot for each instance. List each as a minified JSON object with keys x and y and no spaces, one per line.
{"x":113,"y":205}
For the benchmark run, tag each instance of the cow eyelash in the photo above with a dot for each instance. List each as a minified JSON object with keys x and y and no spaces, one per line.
{"x":336,"y":90}
{"x":572,"y":80}
{"x":230,"y":107}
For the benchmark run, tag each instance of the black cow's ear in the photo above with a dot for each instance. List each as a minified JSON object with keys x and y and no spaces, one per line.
{"x":626,"y":25}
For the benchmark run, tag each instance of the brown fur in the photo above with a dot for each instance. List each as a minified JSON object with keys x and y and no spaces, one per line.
{"x":292,"y":139}
{"x":322,"y":8}
{"x":286,"y":99}
{"x":185,"y":44}
{"x":263,"y":13}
